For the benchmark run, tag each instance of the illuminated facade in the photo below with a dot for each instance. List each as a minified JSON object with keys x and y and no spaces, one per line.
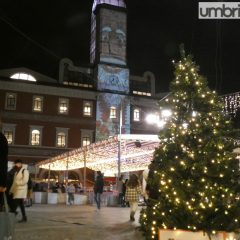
{"x":44,"y":117}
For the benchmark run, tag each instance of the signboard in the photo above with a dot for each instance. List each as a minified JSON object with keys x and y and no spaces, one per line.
{"x":184,"y":235}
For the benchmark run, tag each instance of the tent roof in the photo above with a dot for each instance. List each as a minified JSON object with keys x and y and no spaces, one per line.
{"x":136,"y":154}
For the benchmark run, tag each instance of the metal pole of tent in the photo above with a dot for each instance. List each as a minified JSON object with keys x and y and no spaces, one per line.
{"x":49,"y":177}
{"x":35,"y":174}
{"x":119,"y":143}
{"x":66,"y":180}
{"x":84,"y":172}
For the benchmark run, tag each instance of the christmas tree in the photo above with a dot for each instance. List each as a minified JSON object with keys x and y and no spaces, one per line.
{"x":194,"y":176}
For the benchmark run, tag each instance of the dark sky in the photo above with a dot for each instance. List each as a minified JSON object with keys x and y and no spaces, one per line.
{"x":155,"y":30}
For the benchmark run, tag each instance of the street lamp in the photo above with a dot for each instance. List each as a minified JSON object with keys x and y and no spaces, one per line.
{"x":159,"y":119}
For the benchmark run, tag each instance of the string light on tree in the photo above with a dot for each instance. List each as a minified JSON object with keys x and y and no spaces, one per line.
{"x":198,"y":158}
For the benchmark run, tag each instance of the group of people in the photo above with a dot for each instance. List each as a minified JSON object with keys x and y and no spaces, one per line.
{"x":14,"y":184}
{"x":129,"y":192}
{"x":121,"y":189}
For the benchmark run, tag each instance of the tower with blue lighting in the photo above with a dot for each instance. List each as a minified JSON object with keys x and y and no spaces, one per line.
{"x":108,"y":54}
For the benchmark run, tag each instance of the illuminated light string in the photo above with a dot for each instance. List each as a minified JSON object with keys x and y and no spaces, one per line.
{"x":103,"y":156}
{"x":232,"y":103}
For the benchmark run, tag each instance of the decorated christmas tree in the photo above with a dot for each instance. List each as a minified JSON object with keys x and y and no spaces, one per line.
{"x":193,"y":179}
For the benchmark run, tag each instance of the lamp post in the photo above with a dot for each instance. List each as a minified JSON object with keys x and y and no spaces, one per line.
{"x":119,"y":143}
{"x":66,"y":177}
{"x":84,"y":170}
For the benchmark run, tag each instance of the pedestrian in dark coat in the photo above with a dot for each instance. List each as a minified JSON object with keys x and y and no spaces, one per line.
{"x":98,"y":189}
{"x":10,"y":177}
{"x":3,"y":164}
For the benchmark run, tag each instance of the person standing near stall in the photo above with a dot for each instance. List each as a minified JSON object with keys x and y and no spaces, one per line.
{"x":98,"y":189}
{"x":70,"y":189}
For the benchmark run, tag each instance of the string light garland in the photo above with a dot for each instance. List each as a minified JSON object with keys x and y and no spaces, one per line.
{"x":103,"y":156}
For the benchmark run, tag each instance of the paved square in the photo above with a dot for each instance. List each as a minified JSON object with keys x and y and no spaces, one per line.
{"x":61,"y":222}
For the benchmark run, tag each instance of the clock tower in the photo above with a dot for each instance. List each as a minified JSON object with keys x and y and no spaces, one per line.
{"x":108,"y":54}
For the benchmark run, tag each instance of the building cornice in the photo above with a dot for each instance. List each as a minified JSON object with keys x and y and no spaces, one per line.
{"x":48,"y":118}
{"x":47,"y":90}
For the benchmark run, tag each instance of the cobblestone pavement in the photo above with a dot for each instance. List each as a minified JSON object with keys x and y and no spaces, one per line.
{"x":61,"y":222}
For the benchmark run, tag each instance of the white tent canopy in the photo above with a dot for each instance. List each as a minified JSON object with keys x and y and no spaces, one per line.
{"x":136,"y":154}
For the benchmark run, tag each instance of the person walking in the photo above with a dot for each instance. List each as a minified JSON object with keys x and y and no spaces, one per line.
{"x":10,"y":200}
{"x":120,"y":190}
{"x":125,"y":203}
{"x":19,"y":188}
{"x":98,"y":189}
{"x":133,"y":192}
{"x":3,"y":164}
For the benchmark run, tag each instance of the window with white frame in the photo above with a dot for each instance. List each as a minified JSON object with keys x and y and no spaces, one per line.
{"x":86,"y":137}
{"x":63,"y":106}
{"x":35,"y":137}
{"x":11,"y":101}
{"x":86,"y":141}
{"x":37,"y":103}
{"x":136,"y":115}
{"x":9,"y":136}
{"x":113,"y":112}
{"x":9,"y":132}
{"x":87,"y":108}
{"x":61,"y":137}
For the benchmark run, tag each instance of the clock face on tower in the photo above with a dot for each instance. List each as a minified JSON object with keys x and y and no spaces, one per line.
{"x":113,"y":78}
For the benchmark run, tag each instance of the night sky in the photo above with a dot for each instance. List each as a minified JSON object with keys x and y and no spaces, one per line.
{"x":155,"y":30}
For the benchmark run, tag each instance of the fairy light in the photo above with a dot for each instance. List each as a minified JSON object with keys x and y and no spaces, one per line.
{"x":232,"y":103}
{"x":103,"y":156}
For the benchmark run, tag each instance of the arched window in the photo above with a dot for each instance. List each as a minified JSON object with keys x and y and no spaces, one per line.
{"x":23,"y":76}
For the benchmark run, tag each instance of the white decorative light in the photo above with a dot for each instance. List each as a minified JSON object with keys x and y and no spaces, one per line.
{"x":194,"y":114}
{"x":232,"y":103}
{"x":166,"y":113}
{"x":161,"y":123}
{"x":152,"y":118}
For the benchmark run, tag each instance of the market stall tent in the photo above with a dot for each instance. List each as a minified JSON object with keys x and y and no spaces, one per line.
{"x":136,"y":154}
